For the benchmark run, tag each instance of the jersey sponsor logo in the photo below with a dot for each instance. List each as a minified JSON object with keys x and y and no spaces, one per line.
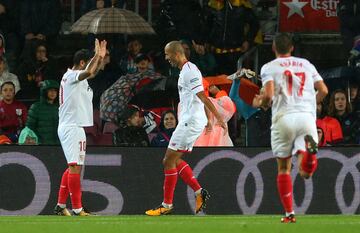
{"x":194,"y":80}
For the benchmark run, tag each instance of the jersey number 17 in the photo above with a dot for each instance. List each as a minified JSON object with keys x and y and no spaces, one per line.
{"x":289,"y":80}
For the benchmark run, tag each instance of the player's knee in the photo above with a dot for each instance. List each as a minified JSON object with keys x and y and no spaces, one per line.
{"x":75,"y":169}
{"x":167,"y":162}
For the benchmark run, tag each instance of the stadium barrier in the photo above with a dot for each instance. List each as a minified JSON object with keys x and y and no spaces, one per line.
{"x":129,"y":181}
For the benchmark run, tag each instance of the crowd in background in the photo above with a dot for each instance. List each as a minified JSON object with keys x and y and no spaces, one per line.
{"x":135,"y":92}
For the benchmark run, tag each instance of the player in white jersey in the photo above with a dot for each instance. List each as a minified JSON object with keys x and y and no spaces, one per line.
{"x":289,"y":85}
{"x":192,"y":121}
{"x":76,"y":112}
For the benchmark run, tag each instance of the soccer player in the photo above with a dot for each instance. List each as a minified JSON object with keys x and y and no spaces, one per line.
{"x":289,"y":86}
{"x":76,"y":112}
{"x":192,"y":121}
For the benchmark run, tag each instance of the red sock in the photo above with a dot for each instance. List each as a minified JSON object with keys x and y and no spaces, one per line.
{"x":186,"y":174}
{"x":64,"y":190}
{"x":309,"y":162}
{"x":75,"y":190}
{"x":284,"y":185}
{"x":169,"y":185}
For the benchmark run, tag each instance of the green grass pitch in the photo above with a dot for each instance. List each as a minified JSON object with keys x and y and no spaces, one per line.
{"x":180,"y":223}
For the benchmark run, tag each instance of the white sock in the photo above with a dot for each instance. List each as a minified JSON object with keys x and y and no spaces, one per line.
{"x":169,"y":206}
{"x":288,"y":214}
{"x":61,"y":205}
{"x":77,"y":210}
{"x":197,"y":192}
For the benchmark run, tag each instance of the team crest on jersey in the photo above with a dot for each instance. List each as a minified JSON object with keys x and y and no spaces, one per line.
{"x":89,"y":88}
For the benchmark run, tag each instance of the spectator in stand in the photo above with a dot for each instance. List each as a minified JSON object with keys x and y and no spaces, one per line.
{"x":6,"y":76}
{"x":36,"y":68}
{"x":355,"y":97}
{"x":348,"y":12}
{"x":115,"y":99}
{"x":320,"y":125}
{"x":127,"y":62}
{"x":213,"y":134}
{"x":40,"y":19}
{"x":9,"y":26}
{"x":198,"y":55}
{"x":205,"y":60}
{"x":166,"y":128}
{"x":230,"y":28}
{"x":131,"y":132}
{"x":13,"y":113}
{"x":43,"y":116}
{"x":179,"y":19}
{"x":340,"y":108}
{"x":89,"y":5}
{"x":104,"y":79}
{"x":331,"y":127}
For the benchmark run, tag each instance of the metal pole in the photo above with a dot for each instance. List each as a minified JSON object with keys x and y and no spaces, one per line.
{"x":72,"y":11}
{"x":137,"y":6}
{"x":149,"y":6}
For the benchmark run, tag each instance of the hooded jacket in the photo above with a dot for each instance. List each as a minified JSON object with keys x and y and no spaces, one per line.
{"x":6,"y":76}
{"x":43,"y":117}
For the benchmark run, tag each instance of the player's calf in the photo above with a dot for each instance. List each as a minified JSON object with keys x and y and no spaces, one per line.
{"x":309,"y":161}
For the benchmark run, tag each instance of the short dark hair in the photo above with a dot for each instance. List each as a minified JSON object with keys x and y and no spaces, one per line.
{"x":81,"y":55}
{"x":141,"y":57}
{"x":283,"y":43}
{"x":128,"y":113}
{"x":8,"y":82}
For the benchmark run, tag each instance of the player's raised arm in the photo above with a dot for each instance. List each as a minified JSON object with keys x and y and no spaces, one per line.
{"x":322,"y":91}
{"x":93,"y":67}
{"x":209,"y":105}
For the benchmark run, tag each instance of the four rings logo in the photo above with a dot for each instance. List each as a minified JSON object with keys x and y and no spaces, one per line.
{"x":250,"y":166}
{"x":334,"y":189}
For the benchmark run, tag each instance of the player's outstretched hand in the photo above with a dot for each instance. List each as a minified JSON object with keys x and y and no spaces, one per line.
{"x":97,"y":47}
{"x":102,"y":48}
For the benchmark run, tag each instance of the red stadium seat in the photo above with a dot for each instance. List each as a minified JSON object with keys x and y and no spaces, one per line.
{"x":92,"y":130}
{"x":97,"y":120}
{"x":104,"y":140}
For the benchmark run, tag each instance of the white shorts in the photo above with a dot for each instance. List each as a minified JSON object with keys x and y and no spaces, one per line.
{"x":73,"y":142}
{"x":184,"y":136}
{"x":287,"y":134}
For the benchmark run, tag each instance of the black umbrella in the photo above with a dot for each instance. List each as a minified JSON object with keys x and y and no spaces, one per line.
{"x":159,"y":93}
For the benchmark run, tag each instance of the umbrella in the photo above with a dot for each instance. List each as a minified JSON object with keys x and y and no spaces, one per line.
{"x":112,"y":20}
{"x":156,"y":94}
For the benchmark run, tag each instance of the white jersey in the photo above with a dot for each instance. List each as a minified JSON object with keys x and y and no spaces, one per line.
{"x":75,"y":99}
{"x":294,"y":80}
{"x":189,"y":84}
